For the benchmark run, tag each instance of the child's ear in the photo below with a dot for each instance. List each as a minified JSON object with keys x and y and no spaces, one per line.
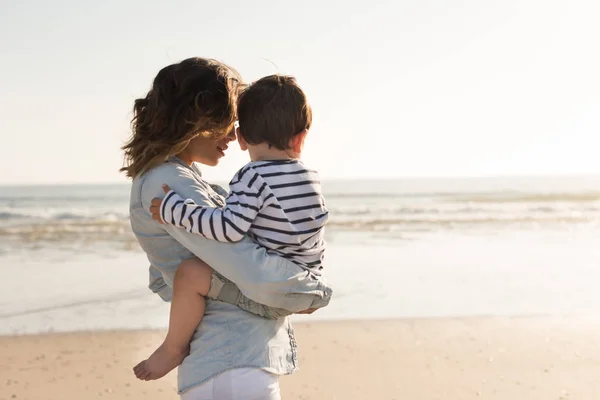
{"x":240,"y":139}
{"x":297,"y":141}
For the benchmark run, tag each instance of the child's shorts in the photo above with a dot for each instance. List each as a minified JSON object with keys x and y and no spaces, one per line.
{"x":224,"y":290}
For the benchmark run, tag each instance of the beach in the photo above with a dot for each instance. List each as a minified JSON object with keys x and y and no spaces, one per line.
{"x":421,"y":359}
{"x":460,"y":289}
{"x":450,"y":149}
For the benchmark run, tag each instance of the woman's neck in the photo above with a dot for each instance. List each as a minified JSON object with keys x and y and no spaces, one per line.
{"x":185,"y":157}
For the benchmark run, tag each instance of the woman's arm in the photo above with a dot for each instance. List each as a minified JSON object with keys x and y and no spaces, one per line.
{"x":264,"y":278}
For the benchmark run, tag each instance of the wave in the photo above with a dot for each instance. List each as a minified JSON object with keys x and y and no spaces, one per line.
{"x":77,"y":235}
{"x":59,"y":198}
{"x":476,"y":197}
{"x":81,"y":233}
{"x":345,"y":212}
{"x":76,"y":227}
{"x":359,"y":212}
{"x":393,"y":223}
{"x":14,"y":215}
{"x":43,"y":215}
{"x":73,"y":226}
{"x":502,"y":197}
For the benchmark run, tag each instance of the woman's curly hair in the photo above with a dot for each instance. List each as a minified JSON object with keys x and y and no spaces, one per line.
{"x":194,"y":97}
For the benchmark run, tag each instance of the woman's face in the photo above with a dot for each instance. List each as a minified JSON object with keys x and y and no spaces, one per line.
{"x":207,"y":151}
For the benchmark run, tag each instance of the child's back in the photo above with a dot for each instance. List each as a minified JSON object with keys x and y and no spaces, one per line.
{"x":274,"y":199}
{"x":291,"y":218}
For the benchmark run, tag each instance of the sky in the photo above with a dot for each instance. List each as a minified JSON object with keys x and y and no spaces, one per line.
{"x":412,"y":88}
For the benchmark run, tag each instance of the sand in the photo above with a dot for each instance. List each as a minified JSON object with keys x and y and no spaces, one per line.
{"x":473,"y":358}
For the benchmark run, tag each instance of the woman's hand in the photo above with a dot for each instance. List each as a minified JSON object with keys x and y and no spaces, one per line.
{"x":155,"y":205}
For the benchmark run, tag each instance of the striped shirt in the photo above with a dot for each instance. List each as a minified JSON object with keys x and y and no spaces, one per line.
{"x":278,"y":204}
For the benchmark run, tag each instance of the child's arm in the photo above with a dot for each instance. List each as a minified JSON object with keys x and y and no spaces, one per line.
{"x":229,"y":224}
{"x":263,"y":277}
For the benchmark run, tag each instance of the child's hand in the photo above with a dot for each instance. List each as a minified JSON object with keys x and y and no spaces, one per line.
{"x":155,"y":205}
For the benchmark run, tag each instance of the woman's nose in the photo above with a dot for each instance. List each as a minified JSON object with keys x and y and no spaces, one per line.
{"x":231,"y":135}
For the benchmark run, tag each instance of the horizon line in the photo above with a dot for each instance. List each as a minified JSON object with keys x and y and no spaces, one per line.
{"x":360,"y":178}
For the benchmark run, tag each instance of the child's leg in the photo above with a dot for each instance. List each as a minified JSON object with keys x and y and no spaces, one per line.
{"x":191,"y":284}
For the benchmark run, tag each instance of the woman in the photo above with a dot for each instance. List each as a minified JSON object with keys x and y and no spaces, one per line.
{"x":186,"y":118}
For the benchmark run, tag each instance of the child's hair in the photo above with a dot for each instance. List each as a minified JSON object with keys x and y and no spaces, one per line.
{"x":273,"y":110}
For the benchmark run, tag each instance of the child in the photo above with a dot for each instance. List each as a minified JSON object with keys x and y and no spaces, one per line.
{"x":274,"y":199}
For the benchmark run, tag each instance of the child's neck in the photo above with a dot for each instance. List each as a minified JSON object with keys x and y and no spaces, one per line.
{"x":262,"y":152}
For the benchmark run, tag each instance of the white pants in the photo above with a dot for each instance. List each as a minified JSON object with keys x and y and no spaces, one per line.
{"x":237,"y":384}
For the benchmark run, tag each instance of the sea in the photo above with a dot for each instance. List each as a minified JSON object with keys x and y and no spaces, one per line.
{"x":407,"y":248}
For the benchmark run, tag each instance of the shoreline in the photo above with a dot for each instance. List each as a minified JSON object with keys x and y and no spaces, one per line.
{"x":512,"y":274}
{"x":299,"y":319}
{"x":308,"y":320}
{"x":416,"y":358}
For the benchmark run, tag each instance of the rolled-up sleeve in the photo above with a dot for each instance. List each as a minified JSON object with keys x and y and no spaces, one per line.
{"x":262,"y":277}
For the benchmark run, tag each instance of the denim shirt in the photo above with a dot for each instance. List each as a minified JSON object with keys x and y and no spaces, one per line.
{"x":227,"y":337}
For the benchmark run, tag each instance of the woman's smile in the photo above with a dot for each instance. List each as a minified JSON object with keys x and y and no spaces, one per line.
{"x":222,"y":149}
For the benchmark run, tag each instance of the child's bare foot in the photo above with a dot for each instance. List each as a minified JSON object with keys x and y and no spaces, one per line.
{"x":160,"y":363}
